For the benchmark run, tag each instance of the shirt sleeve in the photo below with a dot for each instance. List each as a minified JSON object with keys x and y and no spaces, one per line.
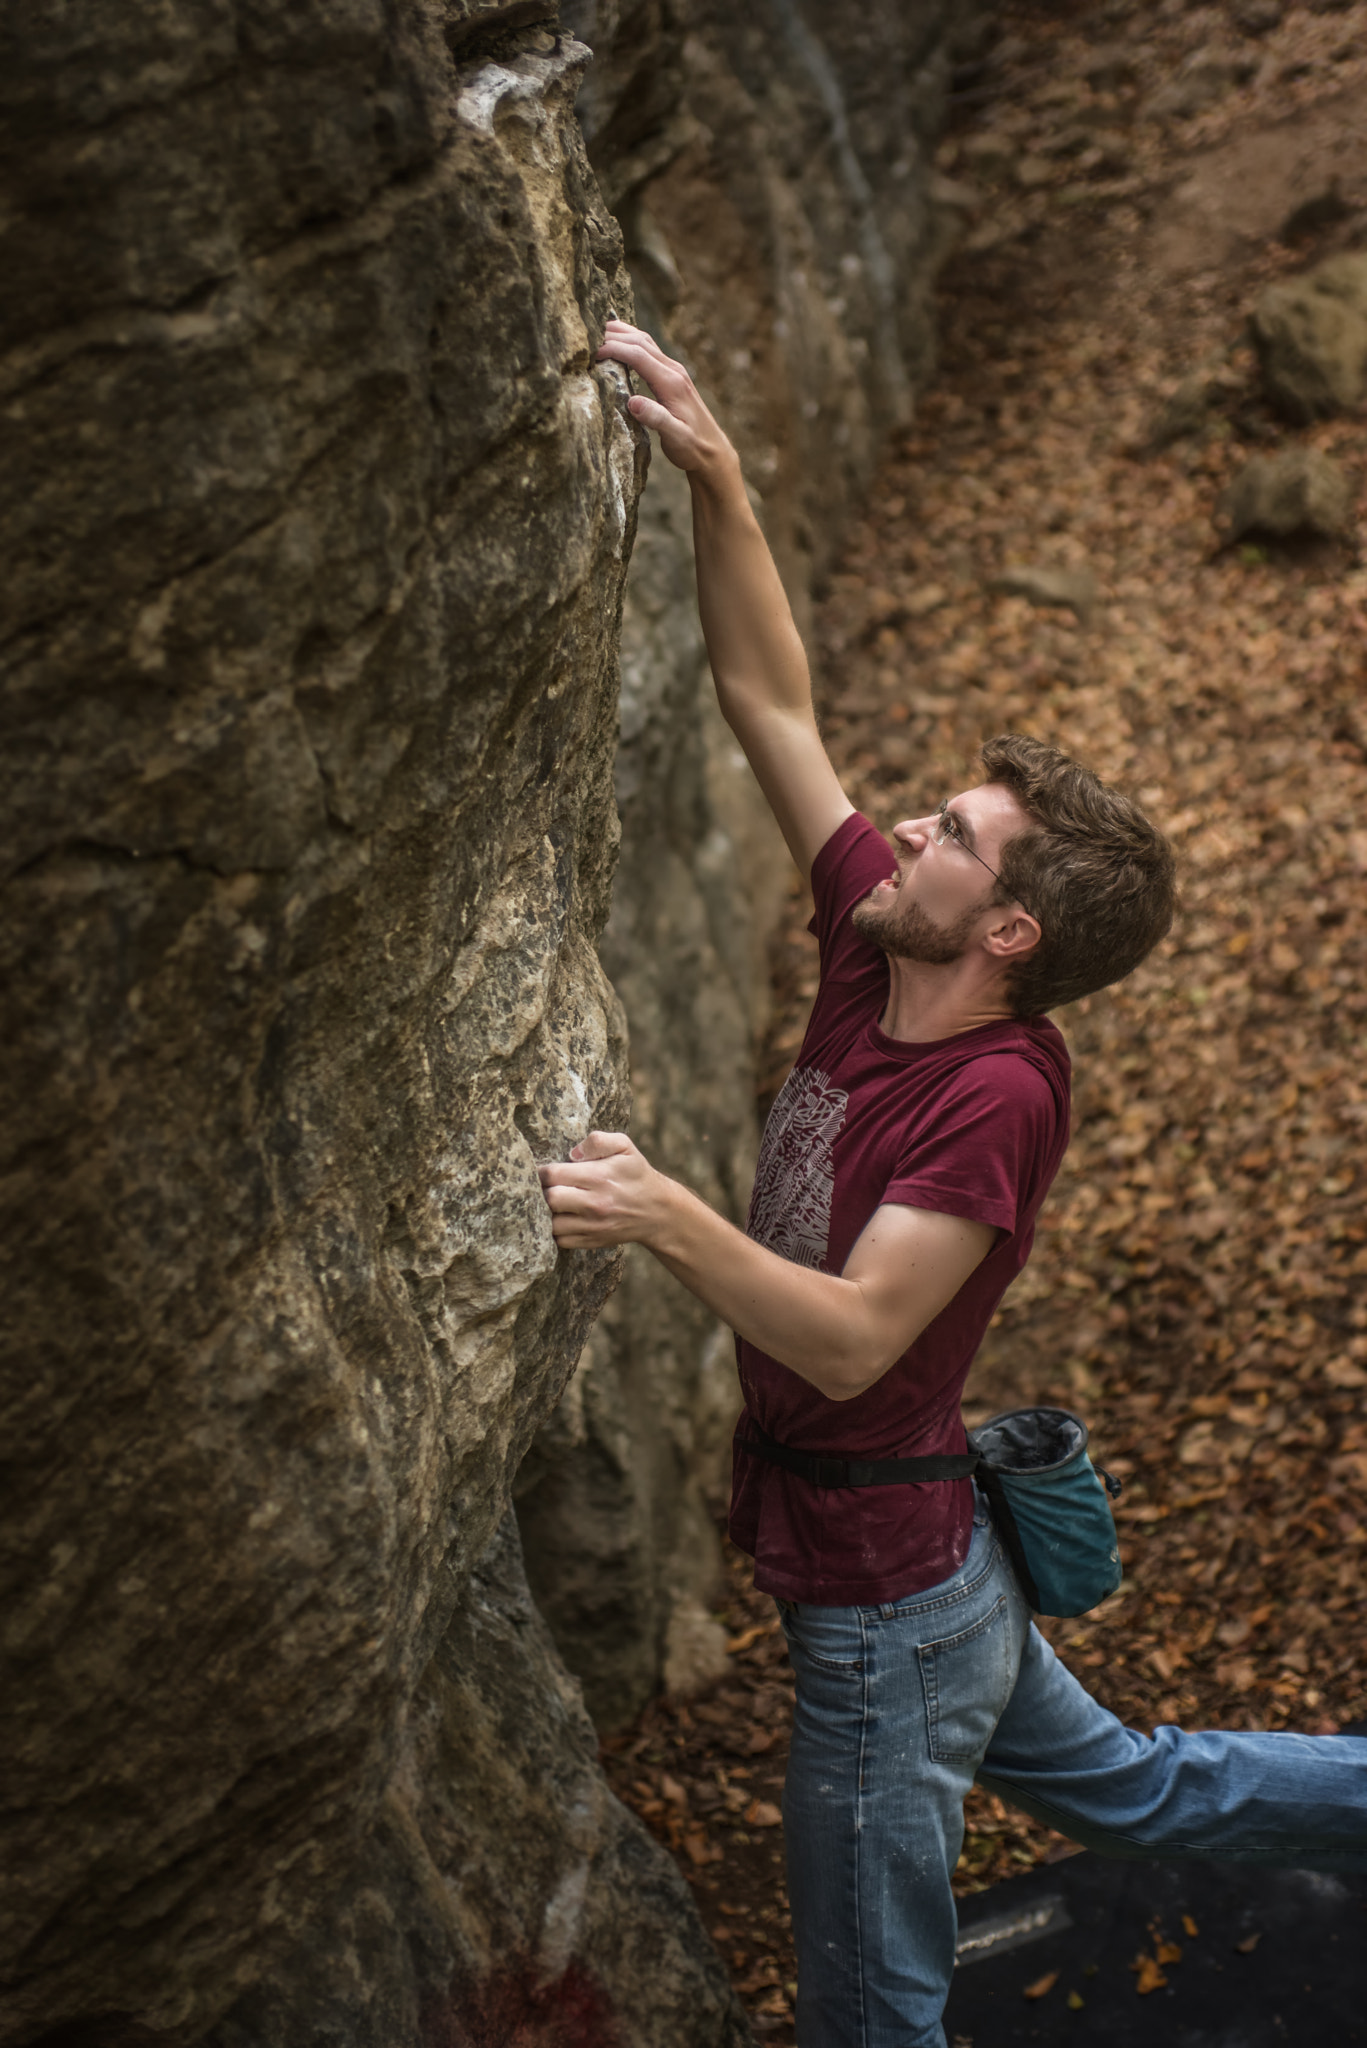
{"x":854,"y":860}
{"x":990,"y":1145}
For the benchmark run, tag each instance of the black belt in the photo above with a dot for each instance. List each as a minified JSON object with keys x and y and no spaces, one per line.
{"x":820,"y":1470}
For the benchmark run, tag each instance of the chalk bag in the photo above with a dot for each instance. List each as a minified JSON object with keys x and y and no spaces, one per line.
{"x":1051,"y":1510}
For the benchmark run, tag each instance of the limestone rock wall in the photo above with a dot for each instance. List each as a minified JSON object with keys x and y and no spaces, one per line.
{"x":315,"y":520}
{"x":772,"y":169}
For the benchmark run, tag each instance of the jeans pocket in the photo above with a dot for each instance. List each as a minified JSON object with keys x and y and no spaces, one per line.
{"x":827,"y":1644}
{"x":967,"y":1679}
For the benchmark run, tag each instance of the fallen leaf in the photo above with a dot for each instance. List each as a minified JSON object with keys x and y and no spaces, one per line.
{"x":1248,"y":1944}
{"x":761,"y":1814}
{"x":1041,"y":1985}
{"x":1148,"y":1975}
{"x":1189,"y":1927}
{"x":1076,"y":2001}
{"x":747,"y":1636}
{"x":1167,"y":1952}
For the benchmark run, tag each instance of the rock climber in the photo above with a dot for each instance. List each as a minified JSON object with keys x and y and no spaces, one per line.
{"x":901,"y":1171}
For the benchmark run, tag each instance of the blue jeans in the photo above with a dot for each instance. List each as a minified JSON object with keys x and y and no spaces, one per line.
{"x":899,"y":1709}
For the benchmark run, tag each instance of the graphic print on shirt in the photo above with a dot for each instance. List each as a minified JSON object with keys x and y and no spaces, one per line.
{"x":790,"y":1209}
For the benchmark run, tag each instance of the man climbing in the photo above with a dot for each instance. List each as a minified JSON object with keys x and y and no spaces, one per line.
{"x":901,"y":1172}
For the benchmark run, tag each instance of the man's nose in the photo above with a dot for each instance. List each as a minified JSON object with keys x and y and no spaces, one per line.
{"x":912,"y":829}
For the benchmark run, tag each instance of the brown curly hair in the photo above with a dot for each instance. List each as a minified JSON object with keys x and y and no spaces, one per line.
{"x":1100,"y":879}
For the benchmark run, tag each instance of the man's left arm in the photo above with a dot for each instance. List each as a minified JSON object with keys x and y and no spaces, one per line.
{"x":839,"y":1332}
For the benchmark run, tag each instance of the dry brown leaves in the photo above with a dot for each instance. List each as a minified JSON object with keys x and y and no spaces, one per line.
{"x":1197,"y":1287}
{"x":706,"y":1778}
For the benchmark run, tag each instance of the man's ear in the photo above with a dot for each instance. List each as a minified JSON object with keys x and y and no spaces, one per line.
{"x":1014,"y":936}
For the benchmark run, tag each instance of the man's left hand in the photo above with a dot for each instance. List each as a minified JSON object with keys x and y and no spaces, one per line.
{"x":606,"y":1192}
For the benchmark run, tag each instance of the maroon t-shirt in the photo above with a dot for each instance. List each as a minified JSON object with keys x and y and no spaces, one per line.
{"x":974,"y":1126}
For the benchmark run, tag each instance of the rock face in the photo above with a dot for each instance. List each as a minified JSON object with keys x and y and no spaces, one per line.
{"x":772,"y":171}
{"x":317,"y":517}
{"x":315,"y":537}
{"x":506,"y":1896}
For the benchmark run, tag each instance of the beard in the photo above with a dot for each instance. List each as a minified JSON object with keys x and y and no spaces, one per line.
{"x":908,"y":932}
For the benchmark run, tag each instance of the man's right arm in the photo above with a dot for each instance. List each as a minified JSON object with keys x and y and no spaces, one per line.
{"x":758,"y":661}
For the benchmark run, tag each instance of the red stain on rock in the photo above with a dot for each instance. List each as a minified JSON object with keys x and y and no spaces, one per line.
{"x":507,"y":2010}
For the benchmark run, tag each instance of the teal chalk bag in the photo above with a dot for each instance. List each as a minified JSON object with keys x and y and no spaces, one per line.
{"x":1051,"y":1509}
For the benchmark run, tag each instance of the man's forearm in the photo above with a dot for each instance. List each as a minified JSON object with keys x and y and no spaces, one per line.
{"x":840,"y":1333}
{"x":753,"y":645}
{"x":814,"y":1323}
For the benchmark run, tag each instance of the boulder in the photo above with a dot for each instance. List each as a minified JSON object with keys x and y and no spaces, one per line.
{"x":1323,"y":209}
{"x":317,"y":518}
{"x":1258,"y":17}
{"x":1311,"y":337}
{"x":316,"y":521}
{"x":1298,"y":491}
{"x":597,"y":1942}
{"x":1074,"y":589}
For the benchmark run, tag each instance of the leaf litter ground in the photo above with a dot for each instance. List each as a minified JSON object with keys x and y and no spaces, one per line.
{"x":1197,"y":1287}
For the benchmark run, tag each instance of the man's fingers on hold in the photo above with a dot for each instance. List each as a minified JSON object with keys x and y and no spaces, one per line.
{"x":570,"y":1237}
{"x":650,"y":413}
{"x":658,"y":379}
{"x":636,"y":337}
{"x":659,"y":370}
{"x":573,"y":1201}
{"x":629,"y":347}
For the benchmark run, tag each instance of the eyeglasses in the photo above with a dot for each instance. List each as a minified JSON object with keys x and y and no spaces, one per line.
{"x":950,"y":828}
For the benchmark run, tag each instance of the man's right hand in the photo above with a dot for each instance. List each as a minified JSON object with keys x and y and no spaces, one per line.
{"x":689,"y":435}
